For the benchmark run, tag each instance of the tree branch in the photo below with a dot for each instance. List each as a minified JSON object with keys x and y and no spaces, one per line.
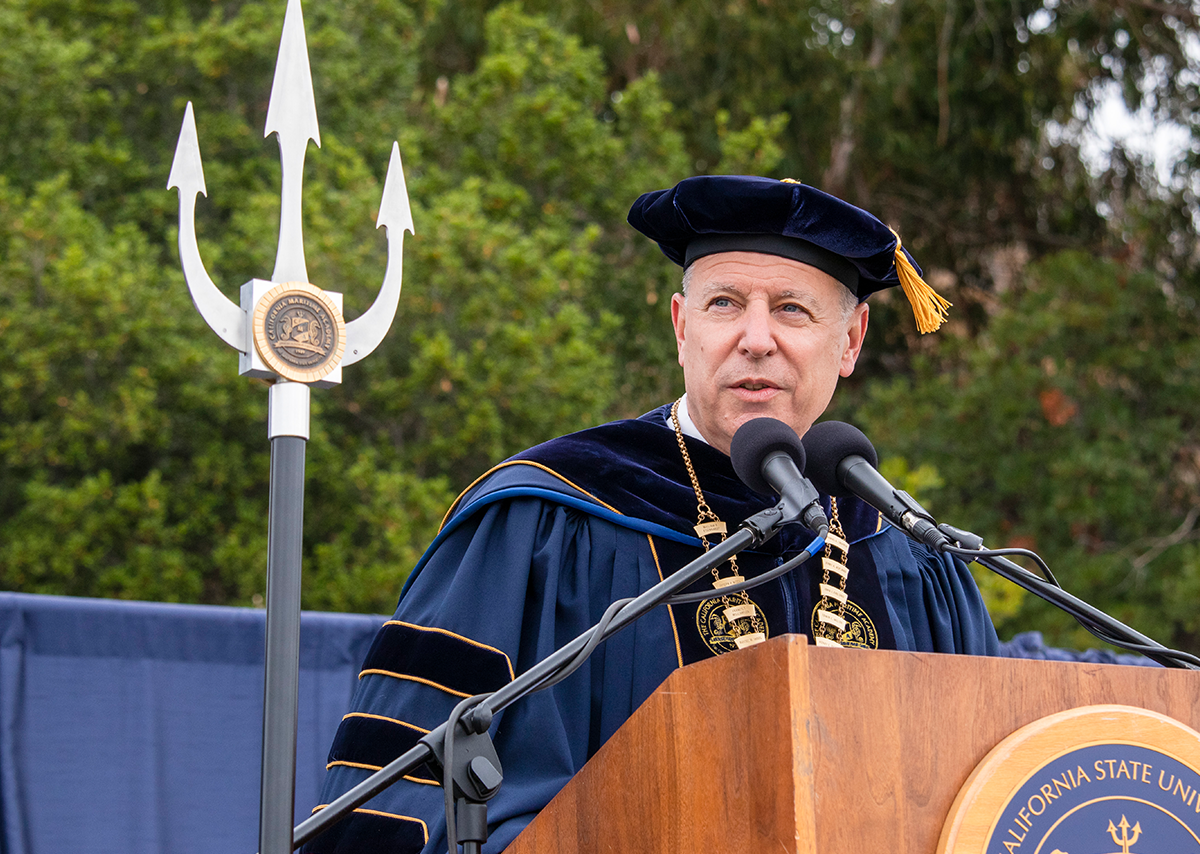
{"x":1179,"y":535}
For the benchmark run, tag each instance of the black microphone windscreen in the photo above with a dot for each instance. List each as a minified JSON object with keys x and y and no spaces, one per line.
{"x":751,"y":444}
{"x":827,"y":444}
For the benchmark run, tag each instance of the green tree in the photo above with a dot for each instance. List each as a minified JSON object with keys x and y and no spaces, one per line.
{"x":958,"y":122}
{"x":506,"y":333}
{"x":135,"y":462}
{"x":132,"y":463}
{"x":1071,"y":427}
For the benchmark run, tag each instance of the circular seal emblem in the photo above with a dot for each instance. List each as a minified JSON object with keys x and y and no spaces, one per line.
{"x":859,"y":632}
{"x":1093,"y":780}
{"x":299,"y":332}
{"x":720,"y":634}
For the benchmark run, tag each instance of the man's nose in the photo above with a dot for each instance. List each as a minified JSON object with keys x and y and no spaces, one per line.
{"x":758,"y":332}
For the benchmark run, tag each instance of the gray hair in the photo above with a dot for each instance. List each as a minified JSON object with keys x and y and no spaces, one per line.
{"x":687,"y":280}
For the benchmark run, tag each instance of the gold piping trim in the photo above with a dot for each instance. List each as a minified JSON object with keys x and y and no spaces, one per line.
{"x":458,"y":498}
{"x":366,"y":767}
{"x":670,"y":609}
{"x":348,"y":764}
{"x":879,"y":524}
{"x":419,"y":780}
{"x":546,"y":469}
{"x":605,"y":505}
{"x":408,"y":678}
{"x":387,"y":719}
{"x":424,"y":826}
{"x":463,"y":638}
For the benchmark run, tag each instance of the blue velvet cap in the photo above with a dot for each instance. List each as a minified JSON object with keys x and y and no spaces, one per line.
{"x":728,"y":213}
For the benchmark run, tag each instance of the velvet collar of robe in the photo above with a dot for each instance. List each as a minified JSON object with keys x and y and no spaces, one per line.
{"x":631,"y":472}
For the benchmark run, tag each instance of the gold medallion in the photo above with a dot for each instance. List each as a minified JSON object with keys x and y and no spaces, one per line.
{"x":299,"y":332}
{"x":721,"y":634}
{"x":856,"y":631}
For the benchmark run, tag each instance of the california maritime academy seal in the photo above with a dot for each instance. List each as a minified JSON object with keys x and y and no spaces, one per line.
{"x":858,"y":631}
{"x":724,"y":628}
{"x":299,"y":332}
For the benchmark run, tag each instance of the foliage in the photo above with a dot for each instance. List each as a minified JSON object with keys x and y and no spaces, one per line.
{"x":133,"y":461}
{"x":504,"y":339}
{"x":1069,"y":427}
{"x":135,"y":464}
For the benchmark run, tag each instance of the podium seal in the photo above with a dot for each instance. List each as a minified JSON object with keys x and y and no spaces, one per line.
{"x":299,"y":332}
{"x":1093,"y":780}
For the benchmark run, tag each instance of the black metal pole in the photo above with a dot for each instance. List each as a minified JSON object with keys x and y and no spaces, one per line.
{"x":282,"y":667}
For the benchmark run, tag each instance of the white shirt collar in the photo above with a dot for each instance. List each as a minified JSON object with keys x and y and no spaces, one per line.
{"x":686,"y":424}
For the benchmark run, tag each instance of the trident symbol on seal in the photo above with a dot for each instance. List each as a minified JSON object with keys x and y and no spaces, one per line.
{"x":291,"y":332}
{"x":1125,"y":840}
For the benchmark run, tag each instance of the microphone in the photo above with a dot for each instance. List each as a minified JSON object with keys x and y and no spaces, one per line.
{"x":768,"y":457}
{"x":842,"y":462}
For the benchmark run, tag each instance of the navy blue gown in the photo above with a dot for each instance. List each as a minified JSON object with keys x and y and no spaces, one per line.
{"x":530,"y":556}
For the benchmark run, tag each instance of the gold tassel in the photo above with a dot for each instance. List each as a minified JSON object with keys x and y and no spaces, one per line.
{"x":929,"y":308}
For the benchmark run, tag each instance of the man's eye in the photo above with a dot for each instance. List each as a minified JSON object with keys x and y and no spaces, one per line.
{"x":722,"y":302}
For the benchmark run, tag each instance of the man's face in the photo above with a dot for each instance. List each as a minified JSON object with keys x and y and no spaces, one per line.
{"x":762,"y":335}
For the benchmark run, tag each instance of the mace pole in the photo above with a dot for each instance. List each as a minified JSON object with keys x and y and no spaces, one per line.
{"x":292,"y":333}
{"x":288,"y":428}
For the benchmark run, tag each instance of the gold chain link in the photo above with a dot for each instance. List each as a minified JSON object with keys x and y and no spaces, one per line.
{"x":704,"y":514}
{"x":826,"y":603}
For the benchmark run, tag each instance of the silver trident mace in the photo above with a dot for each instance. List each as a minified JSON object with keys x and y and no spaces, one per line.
{"x":292,"y":332}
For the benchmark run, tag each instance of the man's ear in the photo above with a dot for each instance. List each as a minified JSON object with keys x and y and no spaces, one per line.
{"x":856,"y":333}
{"x":678,"y":315}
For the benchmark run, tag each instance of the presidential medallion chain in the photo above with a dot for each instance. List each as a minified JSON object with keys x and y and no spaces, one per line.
{"x":740,"y":613}
{"x":831,"y":609}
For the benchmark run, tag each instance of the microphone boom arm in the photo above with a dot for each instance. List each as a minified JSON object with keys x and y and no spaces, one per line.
{"x":1106,"y":627}
{"x":754,"y":531}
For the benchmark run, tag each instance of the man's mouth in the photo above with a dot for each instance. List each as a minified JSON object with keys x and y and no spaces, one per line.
{"x":753,"y":386}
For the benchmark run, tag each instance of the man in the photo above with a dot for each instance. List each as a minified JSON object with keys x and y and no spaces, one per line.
{"x":771,"y":315}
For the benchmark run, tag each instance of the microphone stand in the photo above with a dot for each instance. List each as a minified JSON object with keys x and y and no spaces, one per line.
{"x":476,"y":772}
{"x":918,"y":524}
{"x":1089,"y":616}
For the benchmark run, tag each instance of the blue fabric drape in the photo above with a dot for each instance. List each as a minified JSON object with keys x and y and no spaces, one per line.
{"x":132,"y":728}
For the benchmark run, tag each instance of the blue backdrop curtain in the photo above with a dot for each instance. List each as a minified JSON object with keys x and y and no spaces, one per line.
{"x":132,"y":727}
{"x":135,"y":728}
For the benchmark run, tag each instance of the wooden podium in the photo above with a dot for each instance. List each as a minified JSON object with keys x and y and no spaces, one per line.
{"x":785,"y":747}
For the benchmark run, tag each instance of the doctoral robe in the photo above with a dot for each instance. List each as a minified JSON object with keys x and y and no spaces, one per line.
{"x":530,"y":556}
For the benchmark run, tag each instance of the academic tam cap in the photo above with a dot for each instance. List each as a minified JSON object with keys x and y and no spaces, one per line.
{"x":742,"y":213}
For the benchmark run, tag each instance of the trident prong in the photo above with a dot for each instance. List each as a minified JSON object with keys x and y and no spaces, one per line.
{"x":292,"y":116}
{"x":364,"y":333}
{"x":260,"y":329}
{"x":1125,"y":841}
{"x":187,"y":174}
